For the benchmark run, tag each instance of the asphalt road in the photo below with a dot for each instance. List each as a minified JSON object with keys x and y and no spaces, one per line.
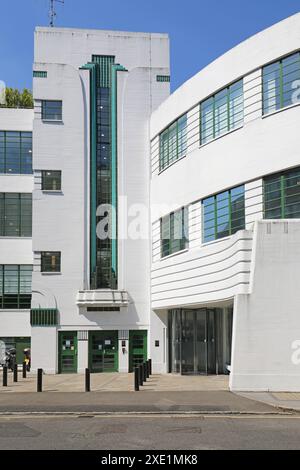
{"x":147,"y":433}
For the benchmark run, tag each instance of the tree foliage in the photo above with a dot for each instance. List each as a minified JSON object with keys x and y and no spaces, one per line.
{"x":17,"y":99}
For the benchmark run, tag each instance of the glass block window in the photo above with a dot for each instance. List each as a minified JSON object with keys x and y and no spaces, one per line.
{"x":173,"y":143}
{"x":282,"y":195}
{"x":15,"y":152}
{"x":52,"y":110}
{"x":15,"y":215}
{"x":51,"y":180}
{"x":281,"y":83}
{"x":174,"y":232}
{"x":50,"y":262}
{"x":222,"y":112}
{"x":15,"y":286}
{"x":223,"y":214}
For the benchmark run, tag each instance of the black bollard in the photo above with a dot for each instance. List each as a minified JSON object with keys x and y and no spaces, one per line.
{"x":87,"y":380}
{"x":150,"y":366}
{"x":4,"y":376}
{"x":24,"y":370}
{"x":15,"y":372}
{"x":145,"y":371}
{"x":39,"y":380}
{"x":141,"y":374}
{"x":136,"y":379}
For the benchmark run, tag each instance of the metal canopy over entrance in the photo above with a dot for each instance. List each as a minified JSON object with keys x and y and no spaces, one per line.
{"x":200,"y":341}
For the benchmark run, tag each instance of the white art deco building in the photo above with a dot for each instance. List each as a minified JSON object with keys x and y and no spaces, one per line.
{"x":214,"y":286}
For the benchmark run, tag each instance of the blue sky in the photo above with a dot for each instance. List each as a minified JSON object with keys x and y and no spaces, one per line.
{"x":200,"y":30}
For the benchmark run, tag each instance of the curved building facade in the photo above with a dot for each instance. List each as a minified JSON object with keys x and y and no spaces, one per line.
{"x":225,"y":217}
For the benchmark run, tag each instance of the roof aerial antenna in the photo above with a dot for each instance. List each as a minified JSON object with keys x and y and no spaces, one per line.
{"x":52,"y":12}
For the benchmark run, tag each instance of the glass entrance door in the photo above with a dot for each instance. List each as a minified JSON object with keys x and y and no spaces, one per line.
{"x":137,"y":348}
{"x":200,"y":338}
{"x":67,"y":352}
{"x":198,"y":341}
{"x":187,"y":342}
{"x":198,"y":354}
{"x":103,"y":351}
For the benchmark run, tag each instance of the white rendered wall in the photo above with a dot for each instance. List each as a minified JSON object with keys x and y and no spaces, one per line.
{"x":61,"y":220}
{"x":266,"y":322}
{"x":44,"y":349}
{"x":220,"y":271}
{"x":15,"y":250}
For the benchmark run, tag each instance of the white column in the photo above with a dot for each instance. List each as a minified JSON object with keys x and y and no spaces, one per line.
{"x":82,"y":351}
{"x":253,"y":96}
{"x":44,"y":349}
{"x":193,"y":129}
{"x":253,"y":202}
{"x":124,"y":351}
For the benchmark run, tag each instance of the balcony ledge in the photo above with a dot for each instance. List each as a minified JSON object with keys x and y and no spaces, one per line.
{"x":102,"y":298}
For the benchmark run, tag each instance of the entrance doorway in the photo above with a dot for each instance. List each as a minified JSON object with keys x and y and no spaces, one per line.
{"x":67,"y":352}
{"x":200,"y":341}
{"x":137,"y":348}
{"x":103,"y":351}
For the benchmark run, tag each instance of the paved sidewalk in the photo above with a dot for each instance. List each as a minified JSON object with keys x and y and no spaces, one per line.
{"x":114,"y":392}
{"x":115,"y":382}
{"x":217,"y":402}
{"x":285,"y":400}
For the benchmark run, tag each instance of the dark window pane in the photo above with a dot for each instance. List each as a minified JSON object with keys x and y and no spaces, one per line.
{"x":52,"y":110}
{"x":174,"y":232}
{"x":50,"y":261}
{"x":223,"y":214}
{"x":173,"y":142}
{"x":51,"y":180}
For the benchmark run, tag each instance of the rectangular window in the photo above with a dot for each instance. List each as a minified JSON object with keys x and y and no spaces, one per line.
{"x":222,"y":112}
{"x":174,"y":232}
{"x":15,"y":215}
{"x":223,"y":214}
{"x":52,"y":110}
{"x":15,"y":286}
{"x":51,"y":180}
{"x":281,"y":83}
{"x":50,"y":262}
{"x":163,"y":78}
{"x":39,"y":74}
{"x":282,"y":195}
{"x":173,"y":143}
{"x":15,"y":152}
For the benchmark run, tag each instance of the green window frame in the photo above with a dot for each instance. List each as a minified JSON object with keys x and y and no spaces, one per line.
{"x":15,"y":152}
{"x":51,"y":180}
{"x":173,"y":143}
{"x":174,"y":232}
{"x":163,"y":78}
{"x":223,"y":214}
{"x":43,"y":317}
{"x":281,"y":83}
{"x":39,"y":74}
{"x":50,"y":261}
{"x":15,"y":215}
{"x":52,"y":110}
{"x":282,"y":195}
{"x":15,"y":286}
{"x":222,"y":112}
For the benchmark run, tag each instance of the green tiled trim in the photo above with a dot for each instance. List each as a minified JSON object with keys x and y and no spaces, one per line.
{"x":114,"y":158}
{"x":39,"y":74}
{"x":104,"y":69}
{"x":163,"y":78}
{"x":93,"y":173}
{"x":43,"y":316}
